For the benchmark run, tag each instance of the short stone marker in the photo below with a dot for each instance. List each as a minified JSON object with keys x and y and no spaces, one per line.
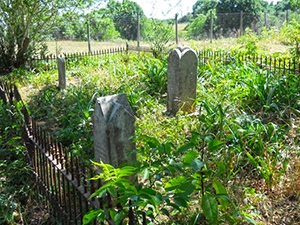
{"x":182,"y":80}
{"x":62,"y":80}
{"x":113,"y":127}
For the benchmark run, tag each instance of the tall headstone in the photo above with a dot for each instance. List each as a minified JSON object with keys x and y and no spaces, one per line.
{"x":113,"y":127}
{"x":182,"y":80}
{"x":62,"y":80}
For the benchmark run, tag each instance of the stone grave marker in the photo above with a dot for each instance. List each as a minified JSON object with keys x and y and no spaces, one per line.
{"x":182,"y":80}
{"x":62,"y":80}
{"x":113,"y":127}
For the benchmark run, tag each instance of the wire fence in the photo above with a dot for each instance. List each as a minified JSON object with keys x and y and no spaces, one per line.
{"x":134,"y":27}
{"x":233,"y":25}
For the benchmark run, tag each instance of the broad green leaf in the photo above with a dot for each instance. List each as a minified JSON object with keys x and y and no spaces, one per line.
{"x":145,"y":174}
{"x":91,"y":215}
{"x":101,"y":192}
{"x":184,"y":148}
{"x":187,"y":187}
{"x":125,"y":185}
{"x":158,"y":198}
{"x":145,"y":196}
{"x":197,"y":165}
{"x":174,"y":183}
{"x":152,"y":142}
{"x":190,"y":156}
{"x":221,"y":167}
{"x":210,"y":208}
{"x":166,"y":212}
{"x":112,"y":191}
{"x":167,"y":148}
{"x":119,"y":217}
{"x":174,"y":206}
{"x":221,"y":191}
{"x":180,"y":201}
{"x":112,"y":213}
{"x":148,"y":191}
{"x":214,"y":145}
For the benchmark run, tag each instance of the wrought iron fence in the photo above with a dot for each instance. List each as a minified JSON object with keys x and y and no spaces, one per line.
{"x":273,"y":64}
{"x":49,"y":62}
{"x":62,"y":178}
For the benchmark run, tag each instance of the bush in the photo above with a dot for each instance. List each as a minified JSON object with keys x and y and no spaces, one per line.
{"x":159,"y":34}
{"x":197,"y":27}
{"x":291,"y":32}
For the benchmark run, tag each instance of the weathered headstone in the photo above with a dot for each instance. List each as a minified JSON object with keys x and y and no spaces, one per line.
{"x":62,"y":80}
{"x":113,"y":127}
{"x":182,"y":80}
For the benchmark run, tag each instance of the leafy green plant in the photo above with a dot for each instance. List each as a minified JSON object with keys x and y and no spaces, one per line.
{"x":249,"y":40}
{"x":169,"y":181}
{"x":15,"y":174}
{"x":155,"y":79}
{"x":160,"y":35}
{"x":196,"y":27}
{"x":292,"y":33}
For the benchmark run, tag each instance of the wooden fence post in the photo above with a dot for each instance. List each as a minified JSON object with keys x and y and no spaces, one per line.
{"x":211,"y":26}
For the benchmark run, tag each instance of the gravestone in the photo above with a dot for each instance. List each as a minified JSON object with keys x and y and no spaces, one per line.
{"x":182,"y":80}
{"x":62,"y":80}
{"x":113,"y":127}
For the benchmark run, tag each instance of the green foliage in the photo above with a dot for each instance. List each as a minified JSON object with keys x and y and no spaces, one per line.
{"x":159,"y":34}
{"x":154,"y":79}
{"x":68,"y":27}
{"x":74,"y":114}
{"x":192,"y":167}
{"x":24,"y":25}
{"x":197,"y":26}
{"x":15,"y":175}
{"x":292,"y":33}
{"x":249,"y":40}
{"x":252,"y":7}
{"x":125,"y":16}
{"x":103,"y":29}
{"x":296,"y":3}
{"x":170,"y":181}
{"x":204,"y":6}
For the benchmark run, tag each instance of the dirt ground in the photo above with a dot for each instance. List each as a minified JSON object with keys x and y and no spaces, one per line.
{"x":219,"y":44}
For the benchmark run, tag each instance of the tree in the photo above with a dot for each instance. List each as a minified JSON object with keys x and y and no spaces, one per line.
{"x":196,"y":27}
{"x":102,"y":25}
{"x":124,"y":16}
{"x":69,"y":26}
{"x":204,"y":6}
{"x":296,"y":3}
{"x":291,"y":31}
{"x":23,"y":25}
{"x":201,"y":21}
{"x":250,"y":7}
{"x":159,"y":33}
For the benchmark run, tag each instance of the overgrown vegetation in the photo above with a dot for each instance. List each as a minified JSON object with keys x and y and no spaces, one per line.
{"x":19,"y":203}
{"x":222,"y":164}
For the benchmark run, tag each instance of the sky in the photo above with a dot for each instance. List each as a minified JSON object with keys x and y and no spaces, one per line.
{"x":164,"y":9}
